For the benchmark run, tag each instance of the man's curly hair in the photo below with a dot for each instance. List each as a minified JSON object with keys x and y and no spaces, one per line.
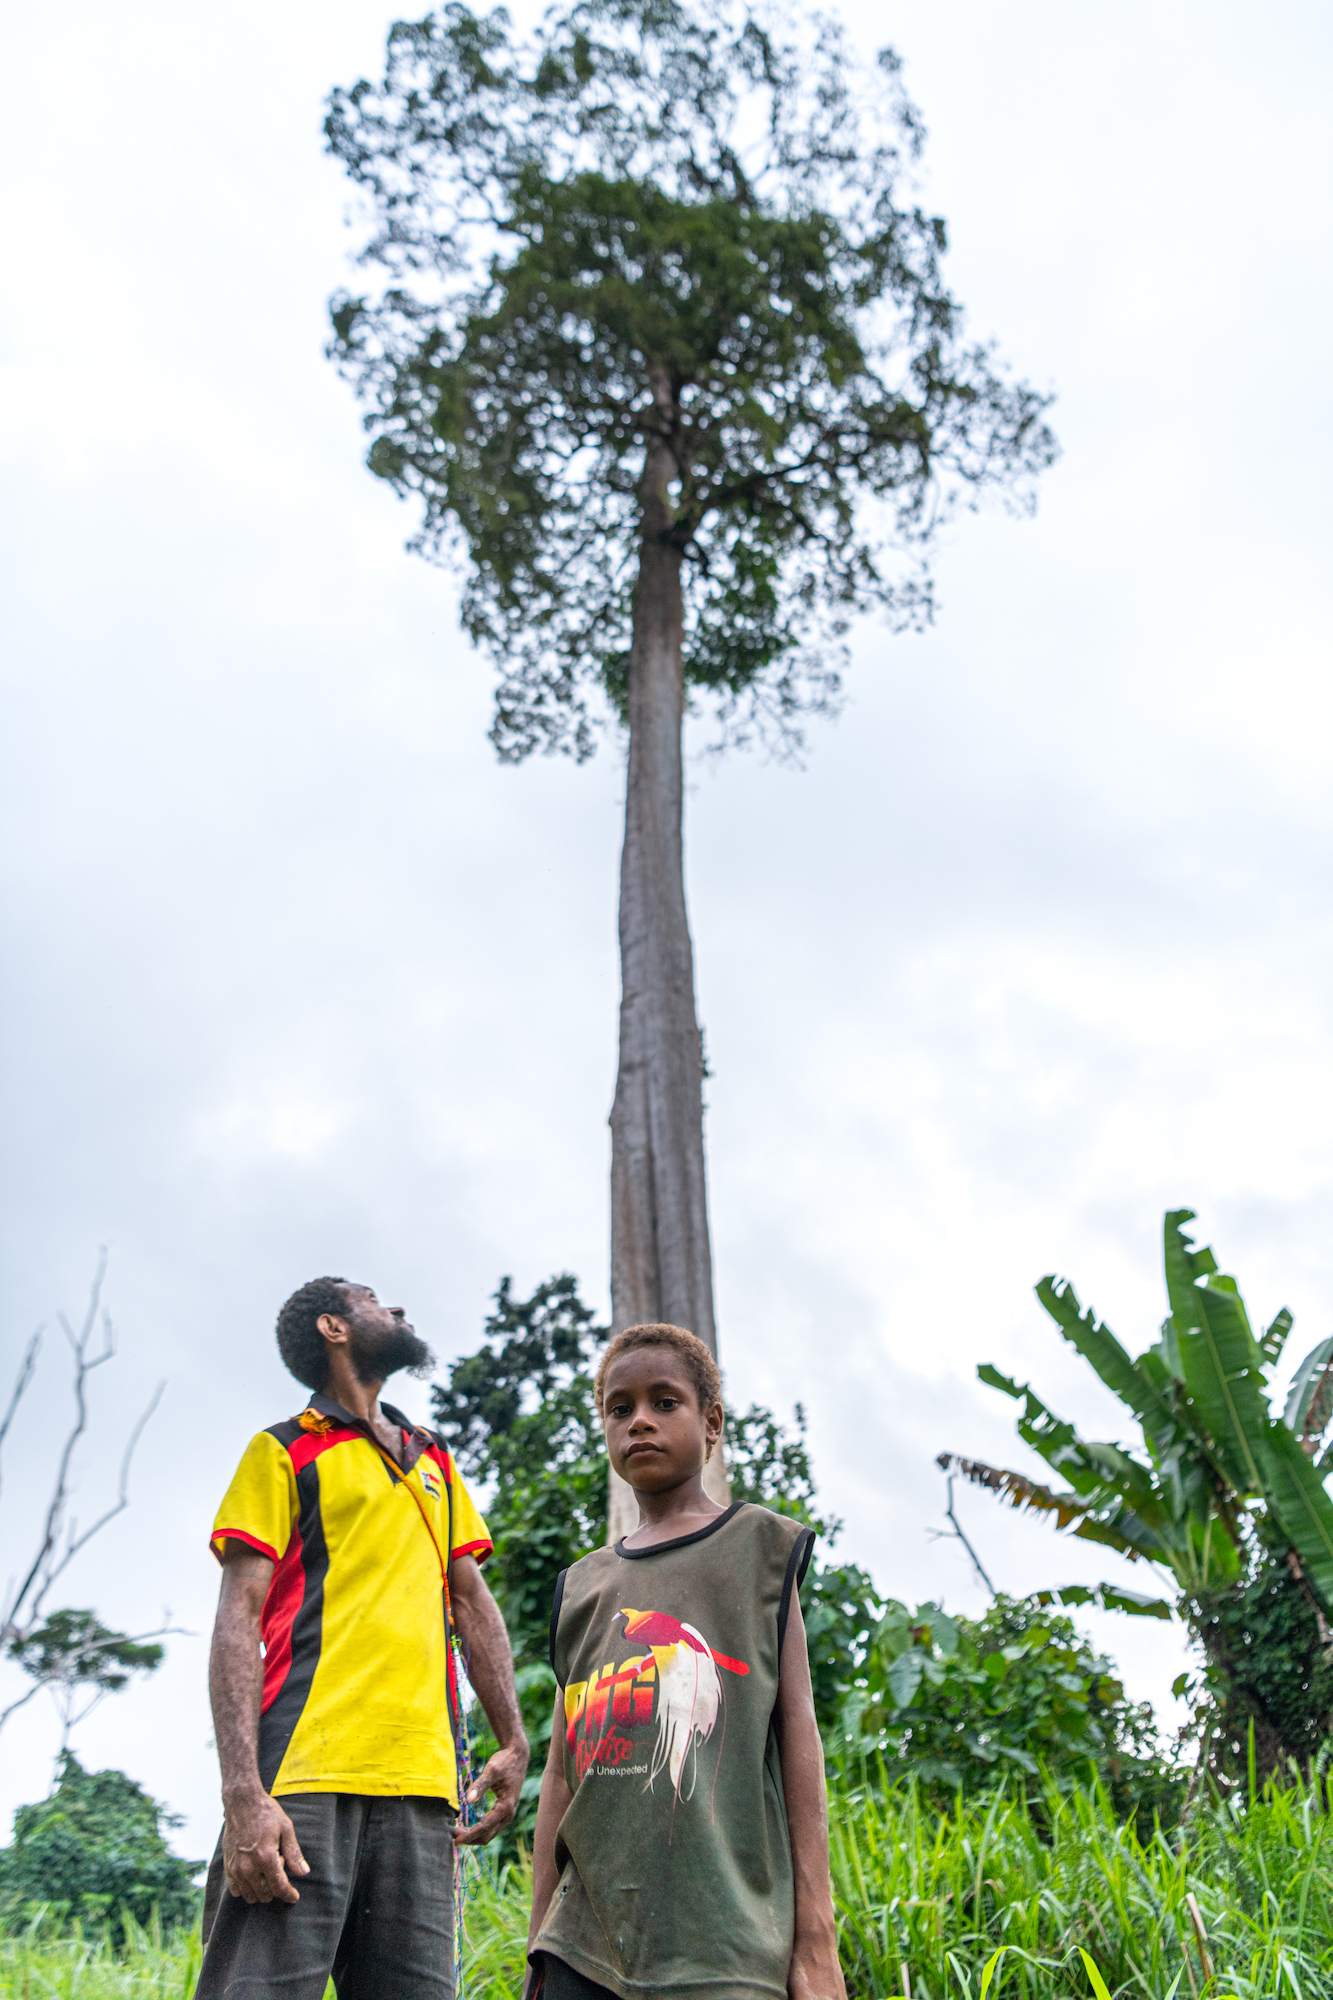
{"x":699,"y":1363}
{"x":300,"y":1342}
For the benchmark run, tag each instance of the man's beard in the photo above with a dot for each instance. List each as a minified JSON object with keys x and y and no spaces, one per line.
{"x":375,"y":1357}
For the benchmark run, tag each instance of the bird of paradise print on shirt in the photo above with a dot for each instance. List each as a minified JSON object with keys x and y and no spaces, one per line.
{"x":675,"y":1682}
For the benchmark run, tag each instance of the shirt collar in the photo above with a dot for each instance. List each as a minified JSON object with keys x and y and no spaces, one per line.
{"x":417,"y":1439}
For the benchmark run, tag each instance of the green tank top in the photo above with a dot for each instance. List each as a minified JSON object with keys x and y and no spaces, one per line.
{"x":674,"y":1855}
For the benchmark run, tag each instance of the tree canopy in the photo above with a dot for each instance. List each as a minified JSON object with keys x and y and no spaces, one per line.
{"x":96,"y":1848}
{"x":651,"y":222}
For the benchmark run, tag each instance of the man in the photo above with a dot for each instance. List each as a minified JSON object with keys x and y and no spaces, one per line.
{"x":348,"y":1542}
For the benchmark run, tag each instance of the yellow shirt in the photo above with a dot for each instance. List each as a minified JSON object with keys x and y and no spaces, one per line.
{"x":359,"y":1692}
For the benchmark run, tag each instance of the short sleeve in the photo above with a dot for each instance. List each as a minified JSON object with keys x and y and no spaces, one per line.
{"x":260,"y":1506}
{"x":471,"y":1537}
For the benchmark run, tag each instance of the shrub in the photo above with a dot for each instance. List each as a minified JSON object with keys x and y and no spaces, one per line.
{"x":95,"y":1849}
{"x":961,"y":1704}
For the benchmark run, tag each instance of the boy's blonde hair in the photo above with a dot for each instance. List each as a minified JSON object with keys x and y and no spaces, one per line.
{"x":699,"y":1363}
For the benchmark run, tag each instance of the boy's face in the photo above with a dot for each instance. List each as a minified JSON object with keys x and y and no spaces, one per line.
{"x":656,"y":1434}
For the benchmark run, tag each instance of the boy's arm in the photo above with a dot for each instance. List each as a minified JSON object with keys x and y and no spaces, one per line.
{"x":815,"y":1972}
{"x":551,"y":1809}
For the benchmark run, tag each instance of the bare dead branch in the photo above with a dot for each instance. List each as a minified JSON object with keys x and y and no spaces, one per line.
{"x":27,"y":1368}
{"x":77,"y":1541}
{"x":60,"y":1494}
{"x":22,"y":1702}
{"x":24,"y":1607}
{"x":955,"y":1534}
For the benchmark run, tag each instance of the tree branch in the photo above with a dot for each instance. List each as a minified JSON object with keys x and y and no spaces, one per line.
{"x":24,"y":1606}
{"x":27,"y":1368}
{"x":76,"y":1541}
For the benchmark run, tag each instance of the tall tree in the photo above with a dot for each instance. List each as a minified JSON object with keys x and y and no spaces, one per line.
{"x":663,"y":349}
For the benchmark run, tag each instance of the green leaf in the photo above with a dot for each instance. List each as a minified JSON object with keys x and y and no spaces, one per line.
{"x":1184,"y":1264}
{"x":1108,"y":1597}
{"x":1099,"y":1985}
{"x":988,"y":1970}
{"x":893,"y":1634}
{"x":905,"y":1677}
{"x":936,"y":1628}
{"x":1274,"y":1336}
{"x":1097,"y":1344}
{"x":1224,"y":1374}
{"x":1310,"y":1401}
{"x":1296,"y":1495}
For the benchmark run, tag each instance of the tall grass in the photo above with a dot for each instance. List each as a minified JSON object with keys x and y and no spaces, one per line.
{"x":939,"y":1896}
{"x":37,"y":1965}
{"x":935,"y":1896}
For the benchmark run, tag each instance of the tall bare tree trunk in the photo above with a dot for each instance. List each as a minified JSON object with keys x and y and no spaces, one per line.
{"x":661,"y":1261}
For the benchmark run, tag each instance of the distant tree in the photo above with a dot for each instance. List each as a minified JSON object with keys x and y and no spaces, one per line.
{"x":664,"y":350}
{"x":94,"y":1849}
{"x":71,"y":1653}
{"x":80,"y":1661}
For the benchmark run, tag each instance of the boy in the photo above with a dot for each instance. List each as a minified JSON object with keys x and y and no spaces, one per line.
{"x":682,"y":1833}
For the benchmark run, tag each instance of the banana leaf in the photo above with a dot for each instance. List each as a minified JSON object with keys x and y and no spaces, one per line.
{"x":1050,"y":1436}
{"x":1108,"y":1597}
{"x":1274,"y":1336}
{"x":1310,"y":1404}
{"x":1223,"y":1370}
{"x":1185,"y":1265}
{"x":1097,"y":1344}
{"x":1295,"y":1493}
{"x":1101,"y":1474}
{"x":1108,"y":1520}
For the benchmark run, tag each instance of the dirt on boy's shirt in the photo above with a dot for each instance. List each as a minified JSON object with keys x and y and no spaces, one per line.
{"x":674,"y":1856}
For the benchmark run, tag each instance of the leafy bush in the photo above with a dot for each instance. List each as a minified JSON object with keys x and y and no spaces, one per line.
{"x":95,"y":1849}
{"x":962,"y":1705}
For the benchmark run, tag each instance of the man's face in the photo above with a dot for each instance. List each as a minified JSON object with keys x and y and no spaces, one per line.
{"x":382,"y":1339}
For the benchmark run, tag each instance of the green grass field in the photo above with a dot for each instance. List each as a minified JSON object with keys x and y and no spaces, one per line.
{"x":936,"y":1899}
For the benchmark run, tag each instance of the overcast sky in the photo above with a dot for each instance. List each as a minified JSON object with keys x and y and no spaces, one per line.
{"x":297,"y":979}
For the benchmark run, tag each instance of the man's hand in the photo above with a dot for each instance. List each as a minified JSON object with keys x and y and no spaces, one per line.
{"x":259,"y":1846}
{"x":490,"y":1668}
{"x":503,"y":1775}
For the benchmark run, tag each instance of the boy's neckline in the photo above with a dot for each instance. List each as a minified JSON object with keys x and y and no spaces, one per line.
{"x":681,"y":1541}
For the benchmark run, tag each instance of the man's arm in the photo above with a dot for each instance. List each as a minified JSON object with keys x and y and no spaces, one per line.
{"x":815,"y":1972}
{"x":259,"y":1842}
{"x":490,"y":1668}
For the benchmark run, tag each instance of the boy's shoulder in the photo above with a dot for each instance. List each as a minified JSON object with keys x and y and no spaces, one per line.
{"x":745,"y":1517}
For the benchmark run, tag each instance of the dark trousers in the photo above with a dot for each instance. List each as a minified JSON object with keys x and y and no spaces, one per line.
{"x":557,"y":1981}
{"x":376,"y":1912}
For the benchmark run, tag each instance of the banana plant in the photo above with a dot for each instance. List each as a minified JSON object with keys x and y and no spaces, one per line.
{"x":1214,"y":1467}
